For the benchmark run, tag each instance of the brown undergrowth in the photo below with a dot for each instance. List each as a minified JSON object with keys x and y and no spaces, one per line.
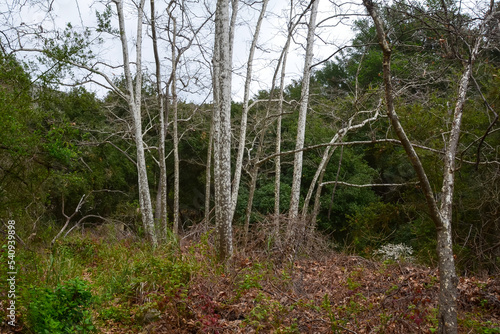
{"x":181,"y":288}
{"x":321,"y":292}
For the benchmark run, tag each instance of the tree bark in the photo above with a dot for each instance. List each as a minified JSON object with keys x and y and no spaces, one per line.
{"x":442,"y":216}
{"x":244,"y":114}
{"x":294,"y":223}
{"x":277,"y":160}
{"x":134,"y":103}
{"x":448,"y":280}
{"x":161,"y":200}
{"x":175,"y":132}
{"x":222,"y":134}
{"x":208,"y":177}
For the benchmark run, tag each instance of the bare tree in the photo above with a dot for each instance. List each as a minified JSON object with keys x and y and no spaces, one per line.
{"x":180,"y":34}
{"x":266,"y":122}
{"x":52,"y":46}
{"x":277,"y":160}
{"x":301,"y":127}
{"x":441,"y":215}
{"x":161,"y":200}
{"x":222,"y":63}
{"x":329,"y":150}
{"x":174,"y":106}
{"x":244,"y":115}
{"x":133,"y":96}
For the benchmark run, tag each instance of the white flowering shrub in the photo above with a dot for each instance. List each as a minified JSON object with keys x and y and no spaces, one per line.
{"x":395,"y":252}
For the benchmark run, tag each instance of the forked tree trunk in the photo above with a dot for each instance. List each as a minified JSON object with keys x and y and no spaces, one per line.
{"x":295,"y":226}
{"x":133,"y":97}
{"x":161,"y":199}
{"x":244,"y":114}
{"x":442,"y":216}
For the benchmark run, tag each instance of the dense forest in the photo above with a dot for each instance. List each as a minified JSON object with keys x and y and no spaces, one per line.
{"x":145,"y":193}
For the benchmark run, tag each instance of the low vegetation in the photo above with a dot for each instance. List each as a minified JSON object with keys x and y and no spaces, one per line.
{"x":94,"y":284}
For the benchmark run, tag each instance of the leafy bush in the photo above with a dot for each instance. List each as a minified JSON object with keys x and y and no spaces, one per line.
{"x":62,"y":311}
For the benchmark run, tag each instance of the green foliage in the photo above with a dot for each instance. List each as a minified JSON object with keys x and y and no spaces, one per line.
{"x":58,"y":147}
{"x":72,"y":46}
{"x":336,"y":324}
{"x":104,"y":21}
{"x":83,"y":250}
{"x":132,"y":279}
{"x":263,"y":202}
{"x":352,"y":282}
{"x":371,"y":225}
{"x":479,"y":327}
{"x":61,"y":311}
{"x":16,"y":114}
{"x":269,"y":315}
{"x":116,"y":313}
{"x":249,"y":279}
{"x":347,"y":200}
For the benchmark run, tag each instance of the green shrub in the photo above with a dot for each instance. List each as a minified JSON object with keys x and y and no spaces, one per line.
{"x":62,"y":311}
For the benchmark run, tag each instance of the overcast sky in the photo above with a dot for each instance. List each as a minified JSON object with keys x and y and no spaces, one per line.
{"x":81,"y":13}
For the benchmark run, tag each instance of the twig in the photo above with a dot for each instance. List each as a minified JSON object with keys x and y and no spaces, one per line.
{"x":82,"y":219}
{"x":369,"y":185}
{"x":336,"y":325}
{"x":68,"y":218}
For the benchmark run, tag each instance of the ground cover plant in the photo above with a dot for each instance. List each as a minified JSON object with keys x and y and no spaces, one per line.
{"x":125,"y":286}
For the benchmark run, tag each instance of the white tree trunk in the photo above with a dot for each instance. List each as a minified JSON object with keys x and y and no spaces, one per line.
{"x":222,"y":134}
{"x":448,"y":279}
{"x":161,"y":199}
{"x":244,"y":114}
{"x":175,"y":134}
{"x":442,"y":216}
{"x":301,"y":127}
{"x":255,"y":169}
{"x":277,"y":160}
{"x":134,"y":103}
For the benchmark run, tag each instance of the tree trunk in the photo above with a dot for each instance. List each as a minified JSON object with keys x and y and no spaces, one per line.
{"x":208,"y":177}
{"x":161,"y":199}
{"x":175,"y":134}
{"x":244,"y":114}
{"x":442,"y":216}
{"x":277,"y":160}
{"x":251,"y":192}
{"x":294,"y":223}
{"x":222,"y":137}
{"x":447,"y":292}
{"x":448,"y":279}
{"x":134,"y":104}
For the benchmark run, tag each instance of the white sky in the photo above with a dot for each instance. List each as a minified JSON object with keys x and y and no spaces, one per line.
{"x":82,"y":13}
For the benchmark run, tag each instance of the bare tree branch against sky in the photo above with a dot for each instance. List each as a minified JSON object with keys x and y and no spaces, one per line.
{"x":35,"y":18}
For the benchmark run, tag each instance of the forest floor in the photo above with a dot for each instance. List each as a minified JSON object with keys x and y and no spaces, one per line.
{"x":330,"y":293}
{"x":174,"y":289}
{"x":340,"y":294}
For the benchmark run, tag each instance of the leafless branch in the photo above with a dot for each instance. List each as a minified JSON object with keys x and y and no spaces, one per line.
{"x":490,"y":108}
{"x":68,"y":218}
{"x":367,"y":185}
